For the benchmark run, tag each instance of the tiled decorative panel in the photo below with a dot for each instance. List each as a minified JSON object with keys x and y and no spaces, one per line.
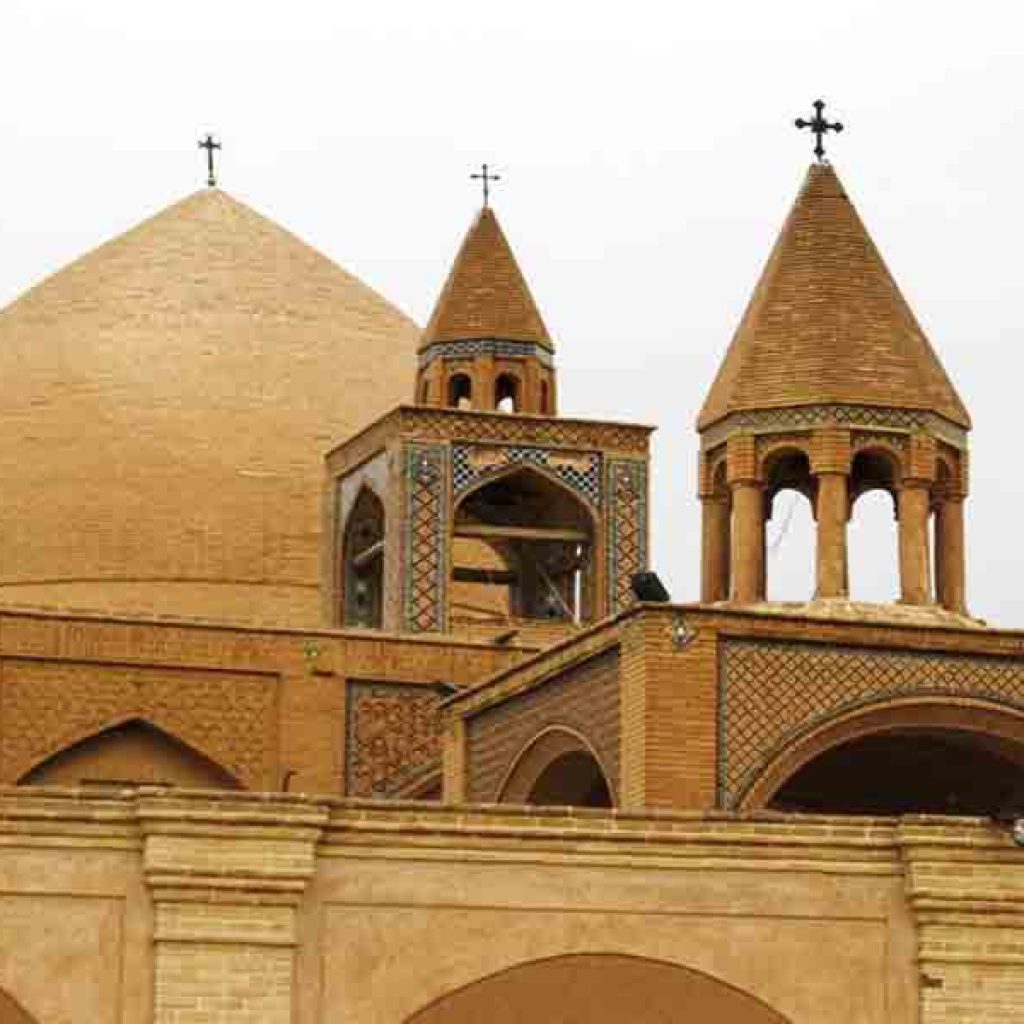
{"x":393,"y":736}
{"x":771,"y":693}
{"x":580,"y":471}
{"x":476,"y":347}
{"x":626,"y":520}
{"x":426,"y":526}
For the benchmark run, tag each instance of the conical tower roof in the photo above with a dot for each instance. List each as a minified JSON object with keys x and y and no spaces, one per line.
{"x":165,"y":403}
{"x":827,"y":323}
{"x":486,"y":295}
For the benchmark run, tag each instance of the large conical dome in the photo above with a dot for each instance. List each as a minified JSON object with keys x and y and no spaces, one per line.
{"x":165,"y":403}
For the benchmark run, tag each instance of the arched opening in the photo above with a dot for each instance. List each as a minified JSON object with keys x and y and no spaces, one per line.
{"x":909,"y":771}
{"x":130,"y":754}
{"x":523,"y":550}
{"x":596,"y":988}
{"x":545,"y":398}
{"x":789,"y":534}
{"x":573,"y":779}
{"x":362,"y":584}
{"x":557,"y":768}
{"x":506,"y":393}
{"x":460,"y":391}
{"x":12,"y":1012}
{"x":873,"y":533}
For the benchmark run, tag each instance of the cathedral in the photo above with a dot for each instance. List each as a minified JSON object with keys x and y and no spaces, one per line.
{"x":335,"y":684}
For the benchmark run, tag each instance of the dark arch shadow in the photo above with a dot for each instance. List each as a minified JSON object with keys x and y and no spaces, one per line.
{"x":130,"y":752}
{"x":910,"y":756}
{"x":557,"y":768}
{"x":597,"y":988}
{"x":12,"y":1012}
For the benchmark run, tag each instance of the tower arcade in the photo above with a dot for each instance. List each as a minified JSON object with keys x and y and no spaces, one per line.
{"x":830,"y":388}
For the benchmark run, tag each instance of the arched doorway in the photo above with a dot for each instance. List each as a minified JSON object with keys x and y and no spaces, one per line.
{"x":128,"y":754}
{"x":524,"y":549}
{"x":558,"y":768}
{"x":362,"y":571}
{"x":927,"y":757}
{"x":598,"y":989}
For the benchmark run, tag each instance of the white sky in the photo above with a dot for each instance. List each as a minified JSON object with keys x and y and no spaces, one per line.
{"x":649,"y":159}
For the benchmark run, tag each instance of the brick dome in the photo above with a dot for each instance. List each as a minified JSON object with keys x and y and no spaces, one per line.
{"x":165,"y":402}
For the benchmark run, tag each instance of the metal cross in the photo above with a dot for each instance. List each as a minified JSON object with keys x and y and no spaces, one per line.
{"x":209,"y":145}
{"x":819,"y":126}
{"x":486,"y":176}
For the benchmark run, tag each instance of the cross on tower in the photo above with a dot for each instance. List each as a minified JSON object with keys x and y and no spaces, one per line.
{"x":486,"y":176}
{"x":819,"y":126}
{"x":209,"y":145}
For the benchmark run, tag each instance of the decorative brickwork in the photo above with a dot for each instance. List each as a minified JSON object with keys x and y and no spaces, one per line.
{"x":772,"y":693}
{"x":452,"y":425}
{"x":580,"y":471}
{"x":584,"y":699}
{"x":626,"y":530}
{"x":426,"y":554}
{"x":392,"y":735}
{"x":485,"y":347}
{"x":229,"y":717}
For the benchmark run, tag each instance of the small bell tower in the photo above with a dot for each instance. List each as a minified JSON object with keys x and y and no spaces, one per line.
{"x":486,"y":347}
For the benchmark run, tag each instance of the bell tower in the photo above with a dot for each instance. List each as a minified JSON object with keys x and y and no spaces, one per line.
{"x":486,"y":346}
{"x":831,"y":388}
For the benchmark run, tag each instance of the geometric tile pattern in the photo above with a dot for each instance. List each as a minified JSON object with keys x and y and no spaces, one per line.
{"x":393,"y":736}
{"x":771,"y":693}
{"x":426,"y":524}
{"x":627,"y":529}
{"x":586,"y":435}
{"x":580,"y":471}
{"x":485,"y":347}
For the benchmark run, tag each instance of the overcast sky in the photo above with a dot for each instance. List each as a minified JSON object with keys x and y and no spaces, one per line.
{"x":649,"y":158}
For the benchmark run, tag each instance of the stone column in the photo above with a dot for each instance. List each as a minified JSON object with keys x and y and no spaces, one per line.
{"x":832,"y":514}
{"x":914,"y":504}
{"x":950,"y":559}
{"x":714,"y":548}
{"x":226,"y":873}
{"x":747,"y":554}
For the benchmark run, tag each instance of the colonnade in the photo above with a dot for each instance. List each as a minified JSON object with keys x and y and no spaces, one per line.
{"x":736,"y":502}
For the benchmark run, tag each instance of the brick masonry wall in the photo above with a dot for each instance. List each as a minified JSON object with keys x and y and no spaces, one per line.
{"x":585,"y":698}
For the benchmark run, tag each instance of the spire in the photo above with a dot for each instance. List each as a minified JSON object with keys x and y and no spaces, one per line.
{"x":486,"y":295}
{"x":486,"y":346}
{"x":827,"y":323}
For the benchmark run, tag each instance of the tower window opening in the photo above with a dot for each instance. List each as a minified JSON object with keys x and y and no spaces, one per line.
{"x":873,"y":544}
{"x":363,"y":563}
{"x":789,"y":528}
{"x":506,"y":393}
{"x":460,"y":391}
{"x":523,"y":550}
{"x":545,"y":398}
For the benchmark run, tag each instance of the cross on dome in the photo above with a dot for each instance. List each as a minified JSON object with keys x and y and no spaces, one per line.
{"x":209,"y":144}
{"x":486,"y":176}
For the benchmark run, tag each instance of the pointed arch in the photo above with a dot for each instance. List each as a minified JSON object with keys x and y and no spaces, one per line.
{"x":460,"y":391}
{"x":787,"y":467}
{"x":362,"y":561}
{"x":971,"y":724}
{"x":597,"y":988}
{"x":129,"y":751}
{"x":558,"y":766}
{"x":507,"y":393}
{"x":524,"y":548}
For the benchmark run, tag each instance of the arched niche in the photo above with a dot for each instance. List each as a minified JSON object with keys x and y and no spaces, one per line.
{"x":597,"y":988}
{"x":558,"y":768}
{"x":12,"y":1012}
{"x":524,"y":549}
{"x":134,"y":752}
{"x":507,"y":393}
{"x":362,"y":569}
{"x":460,"y":391}
{"x":918,"y":756}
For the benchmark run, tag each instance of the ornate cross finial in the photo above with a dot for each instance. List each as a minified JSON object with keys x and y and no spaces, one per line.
{"x":486,"y":176}
{"x":209,"y":144}
{"x":819,"y":126}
